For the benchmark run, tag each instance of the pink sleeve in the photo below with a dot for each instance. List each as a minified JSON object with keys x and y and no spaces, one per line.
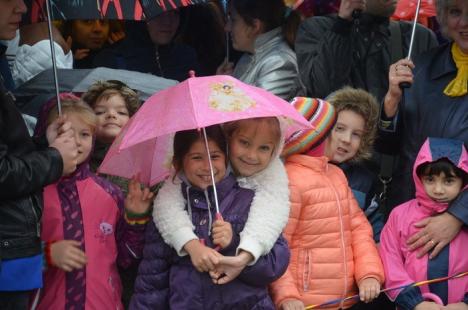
{"x":392,"y":255}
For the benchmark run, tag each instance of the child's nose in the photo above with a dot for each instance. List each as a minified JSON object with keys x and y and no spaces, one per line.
{"x":346,"y":137}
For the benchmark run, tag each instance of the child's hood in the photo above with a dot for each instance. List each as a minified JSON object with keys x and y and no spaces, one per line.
{"x":434,"y":149}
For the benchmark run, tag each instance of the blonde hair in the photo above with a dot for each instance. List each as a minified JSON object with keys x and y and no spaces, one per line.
{"x":76,"y":107}
{"x":103,"y":90}
{"x":362,"y":103}
{"x":272,"y":122}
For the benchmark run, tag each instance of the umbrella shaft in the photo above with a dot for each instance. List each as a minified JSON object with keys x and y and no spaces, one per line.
{"x":54,"y":61}
{"x":413,"y":30}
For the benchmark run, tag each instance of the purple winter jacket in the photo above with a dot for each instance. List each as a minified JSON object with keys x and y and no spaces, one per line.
{"x":167,"y":281}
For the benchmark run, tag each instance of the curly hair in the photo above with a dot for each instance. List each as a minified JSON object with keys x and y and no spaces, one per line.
{"x":106,"y":89}
{"x":362,"y":103}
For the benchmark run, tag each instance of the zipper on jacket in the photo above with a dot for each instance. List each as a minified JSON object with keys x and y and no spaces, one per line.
{"x":343,"y":245}
{"x":158,"y":62}
{"x":306,"y":276}
{"x":37,"y":223}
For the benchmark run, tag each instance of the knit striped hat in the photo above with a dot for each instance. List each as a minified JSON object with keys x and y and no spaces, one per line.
{"x":322,"y":117}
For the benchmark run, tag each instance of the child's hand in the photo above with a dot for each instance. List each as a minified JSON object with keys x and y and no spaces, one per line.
{"x":138,"y":201}
{"x":428,"y":305}
{"x":369,"y":289}
{"x":116,"y":37}
{"x":293,"y":304}
{"x":226,"y":68}
{"x":457,"y":306}
{"x":229,"y":267}
{"x":81,"y":53}
{"x":203,"y":258}
{"x":222,"y":233}
{"x":67,"y":255}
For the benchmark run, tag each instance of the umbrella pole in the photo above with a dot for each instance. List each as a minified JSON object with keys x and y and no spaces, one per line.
{"x":413,"y":30}
{"x":211,"y":171}
{"x":54,"y":61}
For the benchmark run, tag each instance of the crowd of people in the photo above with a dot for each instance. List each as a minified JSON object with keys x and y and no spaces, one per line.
{"x":372,"y":197}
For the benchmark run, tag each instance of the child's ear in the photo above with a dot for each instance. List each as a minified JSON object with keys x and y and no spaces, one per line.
{"x":257,"y":27}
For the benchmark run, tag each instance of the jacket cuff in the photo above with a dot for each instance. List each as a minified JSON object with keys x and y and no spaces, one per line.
{"x":252,"y":246}
{"x":388,"y":124}
{"x":458,"y":207}
{"x":180,"y":237}
{"x":342,"y":26}
{"x":409,"y":298}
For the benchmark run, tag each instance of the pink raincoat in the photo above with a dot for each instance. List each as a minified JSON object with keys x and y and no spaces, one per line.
{"x":401,"y":266}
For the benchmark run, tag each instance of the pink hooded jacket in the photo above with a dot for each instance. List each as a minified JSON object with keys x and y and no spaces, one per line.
{"x":401,"y":266}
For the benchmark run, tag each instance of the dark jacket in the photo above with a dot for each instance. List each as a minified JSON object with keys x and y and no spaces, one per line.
{"x":333,"y":52}
{"x":425,"y":111}
{"x":167,"y":281}
{"x":137,"y":53}
{"x":24,"y":171}
{"x":363,"y":184}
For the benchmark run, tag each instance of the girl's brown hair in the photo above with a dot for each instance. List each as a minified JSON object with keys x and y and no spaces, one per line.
{"x":106,"y":89}
{"x":364,"y":104}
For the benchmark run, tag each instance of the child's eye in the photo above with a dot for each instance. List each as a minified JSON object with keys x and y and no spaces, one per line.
{"x":243,"y":142}
{"x":449,"y":181}
{"x":196,"y":157}
{"x":339,"y":128}
{"x":265,"y":148}
{"x":428,"y":179}
{"x":357,"y":134}
{"x":123,"y":113}
{"x":98,"y":112}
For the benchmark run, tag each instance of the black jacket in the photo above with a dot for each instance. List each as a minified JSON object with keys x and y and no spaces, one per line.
{"x":24,"y":171}
{"x":333,"y":52}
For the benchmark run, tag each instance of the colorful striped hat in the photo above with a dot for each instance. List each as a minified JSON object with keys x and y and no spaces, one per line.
{"x":321,"y":115}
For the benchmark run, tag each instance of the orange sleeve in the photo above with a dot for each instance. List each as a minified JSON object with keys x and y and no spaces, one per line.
{"x":285,"y":287}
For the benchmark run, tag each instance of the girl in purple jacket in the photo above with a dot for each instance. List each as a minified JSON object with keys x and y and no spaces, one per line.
{"x":168,"y":281}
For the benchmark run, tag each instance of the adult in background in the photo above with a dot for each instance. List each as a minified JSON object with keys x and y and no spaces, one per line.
{"x":24,"y":171}
{"x":151,"y":48}
{"x":436,"y":105}
{"x":260,"y":29}
{"x":334,"y":51}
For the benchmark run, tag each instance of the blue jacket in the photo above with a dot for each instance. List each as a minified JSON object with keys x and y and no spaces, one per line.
{"x":426,"y":111}
{"x":363,"y":184}
{"x":167,"y":281}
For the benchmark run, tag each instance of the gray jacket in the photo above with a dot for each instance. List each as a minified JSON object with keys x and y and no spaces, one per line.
{"x":273,"y":66}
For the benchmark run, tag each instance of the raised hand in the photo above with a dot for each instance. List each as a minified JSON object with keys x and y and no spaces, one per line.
{"x":348,"y":6}
{"x":138,"y":200}
{"x":67,"y":255}
{"x":398,"y":73}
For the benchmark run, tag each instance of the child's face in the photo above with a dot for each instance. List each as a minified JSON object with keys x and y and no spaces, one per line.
{"x":442,"y":188}
{"x":197,"y":168}
{"x":83,"y":136}
{"x":345,"y":138}
{"x":251,"y":148}
{"x":112,"y":114}
{"x":242,"y":34}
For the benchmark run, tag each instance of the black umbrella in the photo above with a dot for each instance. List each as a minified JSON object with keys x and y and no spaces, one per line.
{"x":41,"y":10}
{"x":38,"y":90}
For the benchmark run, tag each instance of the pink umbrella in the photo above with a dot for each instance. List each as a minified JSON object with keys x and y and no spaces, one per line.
{"x":145,"y":144}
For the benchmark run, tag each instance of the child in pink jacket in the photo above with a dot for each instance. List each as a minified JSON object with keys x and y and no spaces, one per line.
{"x":440,"y":175}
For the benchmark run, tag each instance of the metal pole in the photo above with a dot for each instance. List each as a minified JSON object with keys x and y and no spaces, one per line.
{"x":413,"y":31}
{"x":211,"y":171}
{"x":54,"y":61}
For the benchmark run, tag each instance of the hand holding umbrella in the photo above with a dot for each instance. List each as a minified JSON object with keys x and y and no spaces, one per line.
{"x":413,"y":32}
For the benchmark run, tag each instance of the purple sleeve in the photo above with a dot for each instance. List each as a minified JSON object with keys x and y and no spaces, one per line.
{"x":269,"y":267}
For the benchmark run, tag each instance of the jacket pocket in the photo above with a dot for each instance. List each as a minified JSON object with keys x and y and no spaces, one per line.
{"x":304,"y":269}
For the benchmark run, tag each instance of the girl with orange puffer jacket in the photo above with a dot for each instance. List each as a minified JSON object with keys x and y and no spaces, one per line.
{"x":333,"y":254}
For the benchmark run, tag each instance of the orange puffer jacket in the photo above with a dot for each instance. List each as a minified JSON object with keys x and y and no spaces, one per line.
{"x":329,"y":236}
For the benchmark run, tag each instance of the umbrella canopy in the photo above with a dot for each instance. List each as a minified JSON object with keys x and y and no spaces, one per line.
{"x":406,"y":9}
{"x":79,"y":80}
{"x":144,"y":146}
{"x":98,"y":9}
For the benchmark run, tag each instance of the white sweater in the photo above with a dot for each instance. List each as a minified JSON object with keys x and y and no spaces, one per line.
{"x":268,"y":213}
